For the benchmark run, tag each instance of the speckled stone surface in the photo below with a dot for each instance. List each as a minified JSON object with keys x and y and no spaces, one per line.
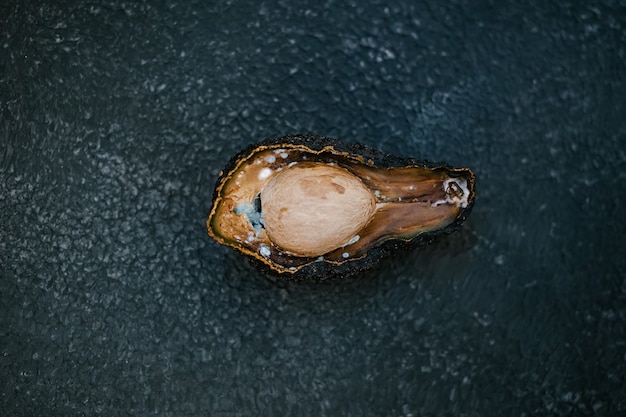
{"x":116,"y":117}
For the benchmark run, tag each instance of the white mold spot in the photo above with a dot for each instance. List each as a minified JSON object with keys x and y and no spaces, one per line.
{"x":353,"y":240}
{"x":377,"y":193}
{"x":345,"y":255}
{"x":254,"y":217}
{"x":271,"y":159}
{"x":457,"y":193}
{"x":284,"y":155}
{"x":264,"y":173}
{"x":264,"y":251}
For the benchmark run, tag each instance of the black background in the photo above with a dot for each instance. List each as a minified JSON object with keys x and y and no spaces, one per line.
{"x":116,"y":117}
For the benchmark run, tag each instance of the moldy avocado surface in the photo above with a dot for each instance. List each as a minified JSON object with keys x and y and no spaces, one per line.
{"x":308,"y":206}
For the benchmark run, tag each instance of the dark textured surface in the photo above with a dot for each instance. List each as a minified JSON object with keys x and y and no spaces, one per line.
{"x":116,"y":118}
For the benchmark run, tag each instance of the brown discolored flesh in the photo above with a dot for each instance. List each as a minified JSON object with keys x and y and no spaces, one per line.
{"x":290,"y":206}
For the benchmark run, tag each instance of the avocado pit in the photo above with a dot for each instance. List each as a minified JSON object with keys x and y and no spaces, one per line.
{"x":313,"y":208}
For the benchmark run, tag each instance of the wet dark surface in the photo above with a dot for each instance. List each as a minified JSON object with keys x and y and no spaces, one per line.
{"x":116,"y":117}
